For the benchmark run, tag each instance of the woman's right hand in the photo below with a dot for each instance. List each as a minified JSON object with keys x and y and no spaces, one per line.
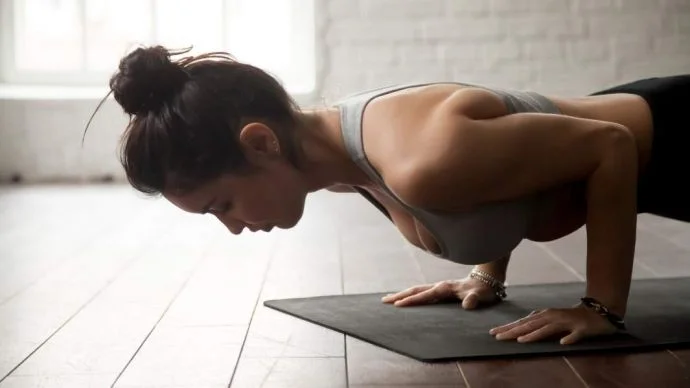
{"x":471,"y":292}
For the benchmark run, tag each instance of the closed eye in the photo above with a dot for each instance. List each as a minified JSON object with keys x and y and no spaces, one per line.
{"x":222,"y":209}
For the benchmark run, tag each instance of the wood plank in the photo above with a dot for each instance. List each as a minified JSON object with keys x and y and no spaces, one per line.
{"x":522,"y":372}
{"x":572,"y":251}
{"x":531,"y":264}
{"x":683,"y":356}
{"x":647,"y":369}
{"x":22,"y":204}
{"x":434,"y":269}
{"x":674,"y":231}
{"x":290,"y":372}
{"x":370,"y":365}
{"x":281,"y":350}
{"x":662,"y":256}
{"x":185,"y":356}
{"x":114,"y":318}
{"x":59,"y":381}
{"x":33,"y":316}
{"x":405,"y":386}
{"x":377,"y":259}
{"x":197,"y":342}
{"x":46,"y":210}
{"x":24,"y":261}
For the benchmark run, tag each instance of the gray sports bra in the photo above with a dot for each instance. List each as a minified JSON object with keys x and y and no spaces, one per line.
{"x":484,"y":234}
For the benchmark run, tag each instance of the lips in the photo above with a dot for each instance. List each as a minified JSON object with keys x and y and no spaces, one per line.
{"x":265,"y":228}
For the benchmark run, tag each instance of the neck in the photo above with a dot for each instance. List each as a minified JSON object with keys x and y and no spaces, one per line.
{"x":325,"y":159}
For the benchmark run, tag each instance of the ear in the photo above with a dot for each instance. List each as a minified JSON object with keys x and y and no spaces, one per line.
{"x":257,"y":138}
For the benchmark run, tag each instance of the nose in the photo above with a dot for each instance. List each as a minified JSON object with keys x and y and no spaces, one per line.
{"x":233,"y":226}
{"x":235,"y":231}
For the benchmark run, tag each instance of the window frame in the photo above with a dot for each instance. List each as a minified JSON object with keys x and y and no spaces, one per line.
{"x":11,"y":76}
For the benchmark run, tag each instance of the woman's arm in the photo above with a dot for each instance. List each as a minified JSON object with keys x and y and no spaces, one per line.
{"x":611,"y":226}
{"x":498,"y":268}
{"x":463,"y":162}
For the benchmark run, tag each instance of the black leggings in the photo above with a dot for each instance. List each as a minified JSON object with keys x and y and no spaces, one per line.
{"x":663,"y":186}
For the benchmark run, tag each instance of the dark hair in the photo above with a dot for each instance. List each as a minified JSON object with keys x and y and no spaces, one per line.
{"x":185,"y":116}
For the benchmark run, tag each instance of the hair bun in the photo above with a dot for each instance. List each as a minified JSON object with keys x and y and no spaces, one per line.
{"x":146,"y":79}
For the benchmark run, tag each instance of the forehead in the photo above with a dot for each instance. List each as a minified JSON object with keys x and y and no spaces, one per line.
{"x":188,"y":203}
{"x":196,"y":200}
{"x":222,"y":188}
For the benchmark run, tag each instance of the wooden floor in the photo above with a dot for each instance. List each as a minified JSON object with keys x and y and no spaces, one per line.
{"x":100,"y":287}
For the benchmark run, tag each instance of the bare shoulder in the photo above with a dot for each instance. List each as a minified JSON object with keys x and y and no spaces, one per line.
{"x":472,"y":102}
{"x":465,"y":148}
{"x":394,"y":126}
{"x":403,"y":130}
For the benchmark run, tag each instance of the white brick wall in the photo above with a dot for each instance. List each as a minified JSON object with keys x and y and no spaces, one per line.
{"x":567,"y":47}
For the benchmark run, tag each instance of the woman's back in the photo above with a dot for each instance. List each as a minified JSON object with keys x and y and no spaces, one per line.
{"x":384,"y":122}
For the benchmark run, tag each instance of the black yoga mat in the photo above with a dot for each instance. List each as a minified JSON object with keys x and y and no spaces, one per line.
{"x":658,"y":316}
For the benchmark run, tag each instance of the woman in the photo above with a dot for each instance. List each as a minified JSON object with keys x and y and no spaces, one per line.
{"x":465,"y":172}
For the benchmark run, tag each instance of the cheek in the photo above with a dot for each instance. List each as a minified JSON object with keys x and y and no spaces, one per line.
{"x":262,"y":205}
{"x":252,"y":209}
{"x":274,"y":195}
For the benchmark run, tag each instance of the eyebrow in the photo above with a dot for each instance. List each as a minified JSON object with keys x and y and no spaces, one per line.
{"x":206,"y":208}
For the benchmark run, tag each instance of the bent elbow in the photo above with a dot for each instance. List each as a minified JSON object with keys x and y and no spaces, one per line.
{"x":619,"y":156}
{"x":622,"y":143}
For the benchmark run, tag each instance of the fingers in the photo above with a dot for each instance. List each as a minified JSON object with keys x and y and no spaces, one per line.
{"x":428,"y":296}
{"x":521,"y":329}
{"x":391,"y":298}
{"x":502,"y":329}
{"x":470,"y":294}
{"x":470,"y":301}
{"x":573,"y":337}
{"x":574,"y":324}
{"x":542,"y":325}
{"x":546,"y":331}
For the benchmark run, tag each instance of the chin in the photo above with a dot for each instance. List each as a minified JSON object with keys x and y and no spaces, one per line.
{"x":289,"y":224}
{"x":294,"y":219}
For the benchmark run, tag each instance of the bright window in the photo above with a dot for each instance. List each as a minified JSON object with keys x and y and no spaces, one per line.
{"x":79,"y":42}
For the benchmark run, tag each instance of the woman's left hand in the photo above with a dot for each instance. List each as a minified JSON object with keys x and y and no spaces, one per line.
{"x":575,"y":323}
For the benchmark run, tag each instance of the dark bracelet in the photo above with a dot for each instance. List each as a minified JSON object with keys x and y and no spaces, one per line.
{"x":602,"y":310}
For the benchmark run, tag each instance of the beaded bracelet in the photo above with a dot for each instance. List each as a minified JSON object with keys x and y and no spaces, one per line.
{"x":494,"y":283}
{"x":602,"y":310}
